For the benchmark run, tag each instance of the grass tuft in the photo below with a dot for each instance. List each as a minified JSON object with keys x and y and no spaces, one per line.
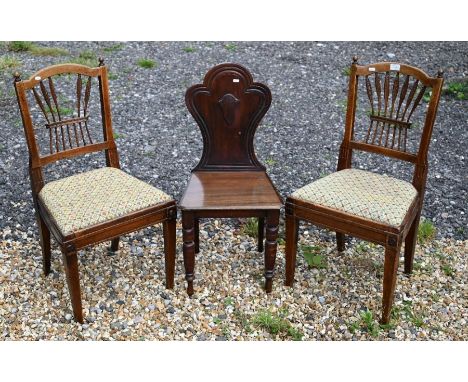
{"x":146,"y":63}
{"x":8,"y":63}
{"x":250,"y":228}
{"x":113,"y":48}
{"x":19,"y":46}
{"x":231,"y":47}
{"x":276,"y":323}
{"x":48,"y":51}
{"x":189,"y":49}
{"x":457,"y":89}
{"x":313,"y":256}
{"x":426,"y":231}
{"x":87,"y":58}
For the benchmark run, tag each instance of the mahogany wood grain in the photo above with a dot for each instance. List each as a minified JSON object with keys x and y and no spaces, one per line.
{"x":229,"y":181}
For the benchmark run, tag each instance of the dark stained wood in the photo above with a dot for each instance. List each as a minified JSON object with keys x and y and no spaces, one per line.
{"x":238,"y":190}
{"x":387,"y":134}
{"x":70,"y":137}
{"x":228,"y":108}
{"x":261,"y":234}
{"x":229,"y":181}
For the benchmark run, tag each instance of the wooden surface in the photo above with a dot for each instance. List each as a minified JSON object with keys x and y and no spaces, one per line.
{"x":233,"y":190}
{"x":228,"y":107}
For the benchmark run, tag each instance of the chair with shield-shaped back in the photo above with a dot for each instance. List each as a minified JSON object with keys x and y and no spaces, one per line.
{"x":229,"y":181}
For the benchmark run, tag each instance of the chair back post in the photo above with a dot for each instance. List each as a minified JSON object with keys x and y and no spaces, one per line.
{"x":345,"y":156}
{"x":35,"y":169}
{"x":112,"y":156}
{"x":421,"y":167}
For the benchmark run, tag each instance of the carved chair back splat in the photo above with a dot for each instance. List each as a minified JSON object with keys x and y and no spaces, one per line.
{"x":229,"y":181}
{"x":394,"y":94}
{"x":56,"y":129}
{"x":228,"y":108}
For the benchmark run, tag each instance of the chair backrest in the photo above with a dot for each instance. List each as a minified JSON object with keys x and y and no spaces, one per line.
{"x":64,"y":126}
{"x":228,"y":107}
{"x":393,"y":93}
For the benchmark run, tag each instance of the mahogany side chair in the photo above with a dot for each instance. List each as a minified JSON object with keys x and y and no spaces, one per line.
{"x":229,"y":181}
{"x":94,"y":206}
{"x":367,"y":205}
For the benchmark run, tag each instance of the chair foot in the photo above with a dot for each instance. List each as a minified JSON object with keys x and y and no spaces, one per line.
{"x":114,"y":247}
{"x":188,"y":232}
{"x":272,"y":224}
{"x":70,"y":260}
{"x":340,"y":241}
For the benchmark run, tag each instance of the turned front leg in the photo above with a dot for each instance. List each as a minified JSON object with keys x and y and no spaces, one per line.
{"x":188,"y":234}
{"x":272,"y":223}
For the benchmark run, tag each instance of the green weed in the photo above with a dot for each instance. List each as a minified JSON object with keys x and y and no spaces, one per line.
{"x":146,"y":63}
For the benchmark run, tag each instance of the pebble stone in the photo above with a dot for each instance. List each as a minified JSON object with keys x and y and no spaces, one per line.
{"x":323,"y":304}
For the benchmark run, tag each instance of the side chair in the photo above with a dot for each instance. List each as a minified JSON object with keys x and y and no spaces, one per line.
{"x":364,"y":204}
{"x":94,"y":206}
{"x":229,"y":181}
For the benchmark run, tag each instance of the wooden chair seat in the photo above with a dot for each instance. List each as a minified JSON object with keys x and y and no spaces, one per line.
{"x":95,"y":197}
{"x":364,"y":194}
{"x":221,"y":190}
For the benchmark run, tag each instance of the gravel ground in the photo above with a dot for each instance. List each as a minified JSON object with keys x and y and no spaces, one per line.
{"x":124,"y":295}
{"x":159,"y":142}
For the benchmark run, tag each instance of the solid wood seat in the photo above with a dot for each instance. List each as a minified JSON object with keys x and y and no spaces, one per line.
{"x":229,"y":181}
{"x":230,"y":190}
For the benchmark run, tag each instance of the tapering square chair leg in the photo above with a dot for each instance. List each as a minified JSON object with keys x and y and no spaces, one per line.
{"x":261,"y":234}
{"x":197,"y":235}
{"x":340,"y":241}
{"x":389,"y":281}
{"x":272,"y":223}
{"x":410,"y":245}
{"x":114,"y":247}
{"x":44,"y":236}
{"x":169,"y":230}
{"x":292,"y":233}
{"x":188,"y":232}
{"x":70,"y":261}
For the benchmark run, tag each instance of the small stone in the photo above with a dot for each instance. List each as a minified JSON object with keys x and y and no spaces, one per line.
{"x":68,"y":317}
{"x":170,"y":310}
{"x":391,"y":55}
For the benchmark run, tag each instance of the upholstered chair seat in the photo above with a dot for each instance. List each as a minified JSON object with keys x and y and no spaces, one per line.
{"x":364,"y":194}
{"x":98,"y":196}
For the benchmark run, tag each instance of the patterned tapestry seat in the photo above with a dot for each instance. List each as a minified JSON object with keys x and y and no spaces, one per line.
{"x":97,"y":196}
{"x":361,"y":193}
